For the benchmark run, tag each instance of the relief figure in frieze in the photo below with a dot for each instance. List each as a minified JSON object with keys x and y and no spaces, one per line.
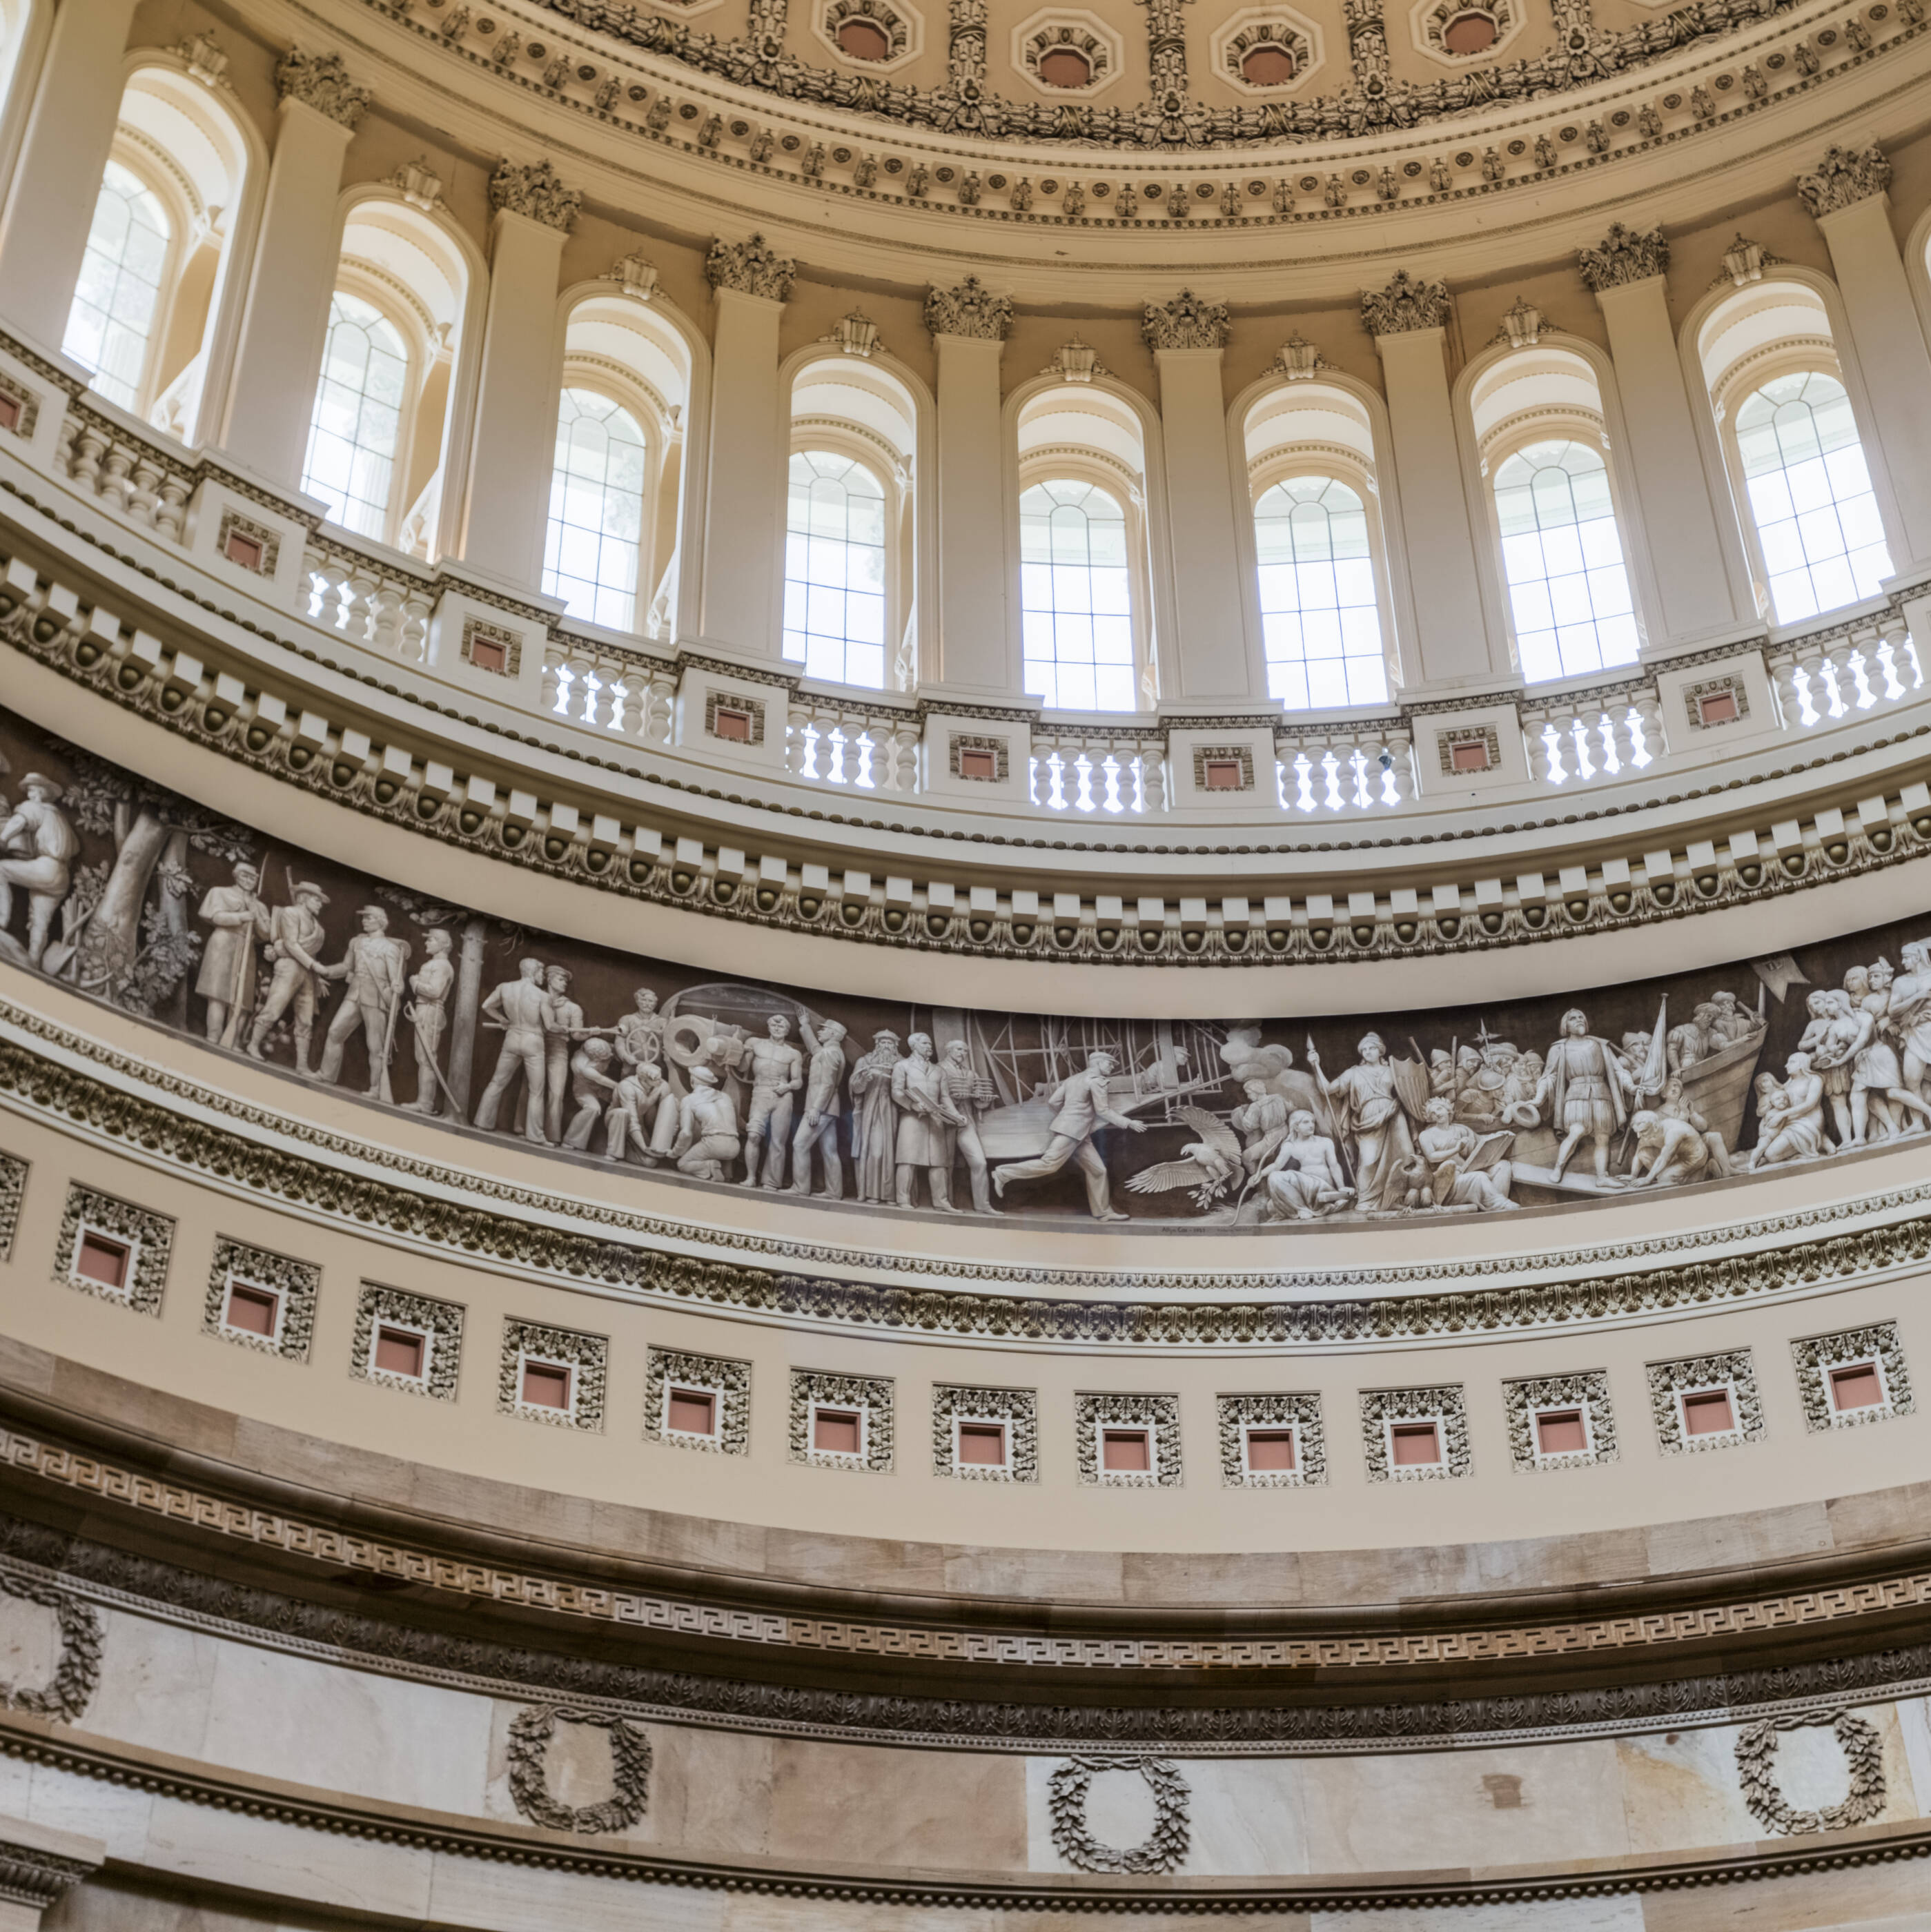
{"x":226,"y":980}
{"x":374,"y":967}
{"x":296,"y":986}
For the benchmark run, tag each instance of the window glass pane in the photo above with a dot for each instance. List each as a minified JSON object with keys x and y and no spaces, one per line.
{"x":1810,"y":495}
{"x":835,"y":569}
{"x":353,"y":435}
{"x":593,"y":546}
{"x":1320,"y":619}
{"x":119,"y":294}
{"x":1568,"y":592}
{"x":1076,"y":598}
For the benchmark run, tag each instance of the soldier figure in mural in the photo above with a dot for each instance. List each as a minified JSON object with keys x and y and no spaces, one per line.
{"x":707,"y":1139}
{"x":875,"y":1119}
{"x":818,"y":1128}
{"x":1373,"y":1103}
{"x":777,"y":1072}
{"x":969,"y":1093}
{"x":38,"y":850}
{"x":373,"y":965}
{"x":926,"y":1120}
{"x":518,"y":1008}
{"x":642,"y":1115}
{"x":429,"y":987}
{"x":1588,"y":1086}
{"x":1081,"y":1104}
{"x":297,"y":980}
{"x":226,"y":980}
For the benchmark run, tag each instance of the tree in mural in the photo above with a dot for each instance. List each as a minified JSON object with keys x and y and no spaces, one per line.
{"x":124,"y":933}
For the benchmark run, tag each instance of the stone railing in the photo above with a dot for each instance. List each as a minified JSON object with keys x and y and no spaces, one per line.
{"x":1774,"y":685}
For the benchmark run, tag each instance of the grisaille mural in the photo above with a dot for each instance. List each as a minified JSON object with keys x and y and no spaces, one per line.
{"x":137,"y":897}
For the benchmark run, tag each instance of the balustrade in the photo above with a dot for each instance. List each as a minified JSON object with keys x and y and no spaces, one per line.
{"x":828,"y":741}
{"x":127,"y":472}
{"x":1098,"y":768}
{"x":375,"y":600}
{"x":1345,"y":768}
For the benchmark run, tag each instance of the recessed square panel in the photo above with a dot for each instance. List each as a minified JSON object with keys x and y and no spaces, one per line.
{"x":546,"y":1385}
{"x":1857,"y":1386}
{"x":102,"y":1259}
{"x":1415,"y":1444}
{"x":1561,"y":1432}
{"x":1270,"y":1449}
{"x":728,"y":721}
{"x":691,"y":1412}
{"x":982,"y":1443}
{"x":1126,"y":1450}
{"x":400,"y":1352}
{"x":252,"y":1310}
{"x":837,"y":1431}
{"x":1708,"y":1412}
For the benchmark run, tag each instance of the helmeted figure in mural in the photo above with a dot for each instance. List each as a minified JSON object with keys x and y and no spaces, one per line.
{"x":1588,"y":1088}
{"x":1081,"y":1104}
{"x":226,"y":980}
{"x":777,"y":1072}
{"x":817,"y":1122}
{"x":374,"y":966}
{"x":970,"y":1093}
{"x":875,"y":1121}
{"x":927,"y":1120}
{"x":708,"y":1140}
{"x":1789,"y":1115}
{"x":296,"y":936}
{"x":427,"y":1012}
{"x":1304,"y":1181}
{"x":519,"y":1009}
{"x":38,"y":849}
{"x":1371,"y":1111}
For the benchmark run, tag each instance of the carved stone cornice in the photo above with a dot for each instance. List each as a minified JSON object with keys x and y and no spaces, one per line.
{"x":752,"y":268}
{"x":533,"y":189}
{"x":1186,"y":322}
{"x":1844,"y":177}
{"x":1406,"y":304}
{"x":32,"y":1875}
{"x":970,"y":310}
{"x":1624,"y":255}
{"x":321,"y":81}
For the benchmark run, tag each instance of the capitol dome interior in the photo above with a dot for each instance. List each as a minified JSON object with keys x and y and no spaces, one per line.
{"x":962,"y":963}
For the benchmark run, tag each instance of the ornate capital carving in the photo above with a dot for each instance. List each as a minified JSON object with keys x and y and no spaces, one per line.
{"x":971,"y":309}
{"x":1407,"y":303}
{"x":1624,"y":255}
{"x":1843,"y":176}
{"x":321,"y":81}
{"x":535,"y":191}
{"x":32,"y":1875}
{"x":752,"y":268}
{"x":1184,"y":322}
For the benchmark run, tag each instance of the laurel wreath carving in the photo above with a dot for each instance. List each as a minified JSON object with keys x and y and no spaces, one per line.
{"x":66,"y":1692}
{"x":1756,"y":1766}
{"x":1164,"y":1849}
{"x":529,"y":1738}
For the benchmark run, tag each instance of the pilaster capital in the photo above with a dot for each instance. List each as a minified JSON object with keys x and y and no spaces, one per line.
{"x":1624,"y":255}
{"x":39,"y":1867}
{"x":1184,"y":322}
{"x":752,"y":268}
{"x":971,"y":309}
{"x":321,"y":81}
{"x":1844,"y":176}
{"x":534,"y":190}
{"x":1406,"y":304}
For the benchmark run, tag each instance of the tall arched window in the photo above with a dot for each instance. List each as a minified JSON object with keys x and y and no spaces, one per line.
{"x":357,"y":430}
{"x":1076,"y":598}
{"x":1562,"y":557}
{"x":1817,"y":519}
{"x":595,"y":532}
{"x":1321,"y":612}
{"x":835,"y":569}
{"x":112,"y":324}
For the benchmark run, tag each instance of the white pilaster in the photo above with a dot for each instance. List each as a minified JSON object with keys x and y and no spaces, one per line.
{"x":1665,"y":463}
{"x":1213,"y":651}
{"x":744,"y":486}
{"x":1891,"y":349}
{"x":977,"y":649}
{"x":63,"y":155}
{"x":278,"y":360}
{"x":513,"y":450}
{"x":1452,"y":629}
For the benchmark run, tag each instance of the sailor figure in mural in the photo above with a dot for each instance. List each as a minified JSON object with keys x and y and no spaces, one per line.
{"x":374,"y":966}
{"x":707,"y":1139}
{"x":1081,"y":1103}
{"x":519,"y":1009}
{"x":426,"y":1012}
{"x":640,"y":1036}
{"x":226,"y":980}
{"x":38,"y":849}
{"x":297,"y":980}
{"x":642,"y":1115}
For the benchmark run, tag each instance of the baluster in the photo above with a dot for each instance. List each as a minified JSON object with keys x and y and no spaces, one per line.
{"x":1057,"y":795}
{"x":631,"y":713}
{"x":1888,"y":658}
{"x":413,"y":640}
{"x":838,"y":760}
{"x":1622,"y":738}
{"x":171,"y":514}
{"x":363,"y":584}
{"x":141,"y":494}
{"x":330,"y":579}
{"x":1583,"y":757}
{"x":1330,"y":767}
{"x":114,"y":475}
{"x":1818,"y":694}
{"x":663,"y":707}
{"x":69,"y":428}
{"x":1904,"y":657}
{"x":385,"y":616}
{"x":1153,"y":778}
{"x":797,"y":744}
{"x":1788,"y":682}
{"x":553,"y":679}
{"x":1398,"y":767}
{"x":87,"y":470}
{"x":578,"y":697}
{"x":600,"y":709}
{"x":1535,"y":743}
{"x":1860,"y":651}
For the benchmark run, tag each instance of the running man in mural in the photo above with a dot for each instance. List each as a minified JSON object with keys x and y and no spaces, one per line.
{"x":1081,"y":1104}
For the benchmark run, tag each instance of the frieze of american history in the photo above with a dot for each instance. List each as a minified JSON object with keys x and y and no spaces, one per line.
{"x":134,"y":895}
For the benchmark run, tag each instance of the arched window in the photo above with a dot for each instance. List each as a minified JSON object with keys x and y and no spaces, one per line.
{"x":596,"y":533}
{"x":116,"y":315}
{"x":1076,"y":598}
{"x":1321,"y":612}
{"x":1563,"y":557}
{"x":1817,"y":519}
{"x":357,"y":430}
{"x":835,"y":588}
